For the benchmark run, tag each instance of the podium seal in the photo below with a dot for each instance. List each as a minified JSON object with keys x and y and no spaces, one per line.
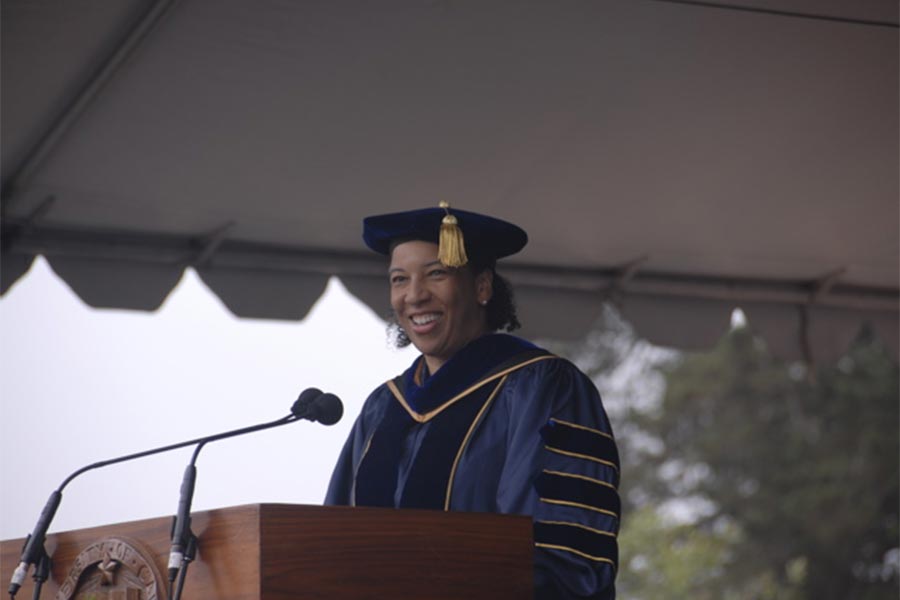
{"x":114,"y":568}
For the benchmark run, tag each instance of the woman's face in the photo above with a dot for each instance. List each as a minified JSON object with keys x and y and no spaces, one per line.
{"x":439,"y":307}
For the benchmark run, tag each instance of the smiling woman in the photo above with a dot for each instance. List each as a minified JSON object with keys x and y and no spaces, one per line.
{"x":440,"y":308}
{"x":483,"y":421}
{"x":498,"y":304}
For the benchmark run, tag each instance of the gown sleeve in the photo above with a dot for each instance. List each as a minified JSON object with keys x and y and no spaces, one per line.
{"x":340,"y":487}
{"x":562,"y":467}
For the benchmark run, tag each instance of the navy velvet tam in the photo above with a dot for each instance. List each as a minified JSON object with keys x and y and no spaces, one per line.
{"x":486,"y":238}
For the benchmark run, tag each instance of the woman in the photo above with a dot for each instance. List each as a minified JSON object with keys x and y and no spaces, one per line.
{"x":483,"y":421}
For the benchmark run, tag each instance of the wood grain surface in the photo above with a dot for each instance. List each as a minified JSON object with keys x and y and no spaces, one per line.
{"x":277,"y":551}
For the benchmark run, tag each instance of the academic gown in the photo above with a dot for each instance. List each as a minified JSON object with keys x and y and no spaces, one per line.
{"x":502,"y":427}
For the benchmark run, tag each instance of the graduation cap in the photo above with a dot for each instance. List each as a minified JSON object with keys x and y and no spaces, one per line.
{"x":459,"y":234}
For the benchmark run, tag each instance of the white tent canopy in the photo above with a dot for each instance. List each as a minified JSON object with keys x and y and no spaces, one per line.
{"x":679,"y":158}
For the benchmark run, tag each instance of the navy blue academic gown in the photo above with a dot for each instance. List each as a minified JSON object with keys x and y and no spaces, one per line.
{"x":502,"y":427}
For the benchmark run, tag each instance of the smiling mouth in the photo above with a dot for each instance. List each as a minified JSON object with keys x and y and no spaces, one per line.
{"x":425,"y":321}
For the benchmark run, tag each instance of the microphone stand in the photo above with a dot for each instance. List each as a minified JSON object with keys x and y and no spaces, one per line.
{"x":184,"y":542}
{"x":189,"y":553}
{"x":312,"y":405}
{"x":34,"y":544}
{"x":41,"y":573}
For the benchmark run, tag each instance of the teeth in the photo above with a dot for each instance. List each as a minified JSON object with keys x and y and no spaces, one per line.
{"x":424,"y":319}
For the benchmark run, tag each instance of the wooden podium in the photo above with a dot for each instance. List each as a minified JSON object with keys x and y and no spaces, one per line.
{"x":279,"y":551}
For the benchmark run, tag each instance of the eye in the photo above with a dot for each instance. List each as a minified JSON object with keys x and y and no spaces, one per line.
{"x":397,"y":279}
{"x":437,"y":272}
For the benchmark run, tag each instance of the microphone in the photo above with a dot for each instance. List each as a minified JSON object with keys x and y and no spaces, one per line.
{"x":181,"y":531}
{"x":34,"y":545}
{"x":312,"y":404}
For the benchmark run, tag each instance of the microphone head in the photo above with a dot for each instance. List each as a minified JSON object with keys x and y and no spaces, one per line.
{"x":329,"y":409}
{"x":302,"y":405}
{"x":315,"y":405}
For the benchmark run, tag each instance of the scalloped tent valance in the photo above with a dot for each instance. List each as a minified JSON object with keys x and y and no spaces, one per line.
{"x":679,"y":159}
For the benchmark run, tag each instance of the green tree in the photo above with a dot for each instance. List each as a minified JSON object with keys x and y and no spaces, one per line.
{"x":663,"y":560}
{"x":747,"y":478}
{"x":806,"y":469}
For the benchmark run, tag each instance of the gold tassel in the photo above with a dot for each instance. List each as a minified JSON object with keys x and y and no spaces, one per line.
{"x":451,"y":246}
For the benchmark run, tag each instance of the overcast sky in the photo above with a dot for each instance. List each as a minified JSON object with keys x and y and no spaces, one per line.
{"x":79,"y":385}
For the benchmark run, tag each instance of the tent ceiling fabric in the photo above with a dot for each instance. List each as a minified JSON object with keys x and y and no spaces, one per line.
{"x":680,"y":159}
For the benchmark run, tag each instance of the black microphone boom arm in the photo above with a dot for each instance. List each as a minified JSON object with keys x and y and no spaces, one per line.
{"x":34,"y":547}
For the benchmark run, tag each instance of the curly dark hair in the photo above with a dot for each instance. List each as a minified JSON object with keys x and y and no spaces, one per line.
{"x":501,"y":308}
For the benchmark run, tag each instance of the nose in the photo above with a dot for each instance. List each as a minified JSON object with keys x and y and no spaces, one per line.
{"x":417,"y":292}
